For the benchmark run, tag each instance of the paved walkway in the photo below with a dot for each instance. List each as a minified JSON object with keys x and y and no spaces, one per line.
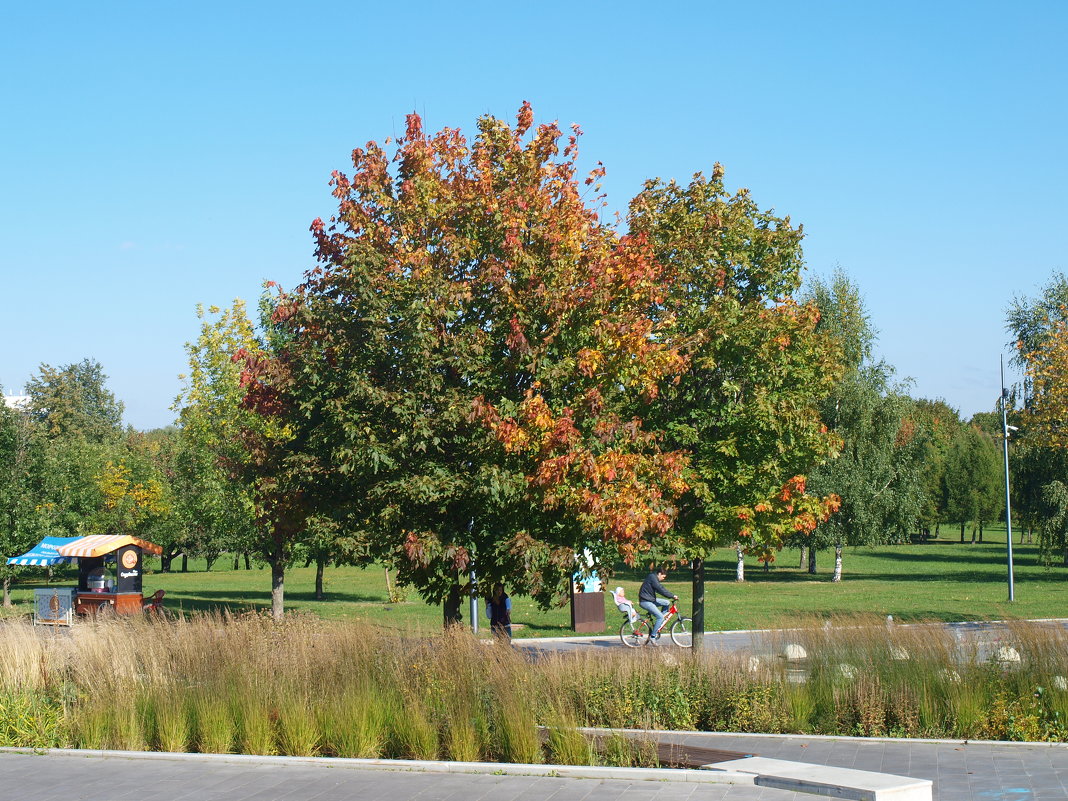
{"x":960,"y":771}
{"x":984,"y":635}
{"x":78,"y":778}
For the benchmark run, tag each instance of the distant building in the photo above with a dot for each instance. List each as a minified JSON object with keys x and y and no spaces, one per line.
{"x":17,"y":401}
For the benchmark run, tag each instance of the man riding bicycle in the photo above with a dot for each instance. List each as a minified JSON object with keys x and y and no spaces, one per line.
{"x":647,"y":599}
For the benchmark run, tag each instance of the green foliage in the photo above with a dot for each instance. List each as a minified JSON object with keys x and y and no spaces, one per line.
{"x":20,"y":478}
{"x":745,"y":407}
{"x":879,"y":475}
{"x":974,"y":478}
{"x":74,"y":401}
{"x":229,"y":462}
{"x":31,"y":720}
{"x":1053,"y":533}
{"x":1031,"y":321}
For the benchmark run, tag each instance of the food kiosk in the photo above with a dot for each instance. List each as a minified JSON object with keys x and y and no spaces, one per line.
{"x":109,"y":575}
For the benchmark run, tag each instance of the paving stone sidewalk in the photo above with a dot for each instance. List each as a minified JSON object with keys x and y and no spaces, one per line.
{"x":89,"y":778}
{"x":960,"y":771}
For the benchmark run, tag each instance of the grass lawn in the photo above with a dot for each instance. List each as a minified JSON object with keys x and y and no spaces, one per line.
{"x":939,"y":580}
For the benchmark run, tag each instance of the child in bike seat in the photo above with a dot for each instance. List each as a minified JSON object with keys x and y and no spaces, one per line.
{"x":623,"y":605}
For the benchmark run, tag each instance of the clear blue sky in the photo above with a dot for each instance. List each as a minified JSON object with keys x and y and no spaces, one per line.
{"x":160,"y":154}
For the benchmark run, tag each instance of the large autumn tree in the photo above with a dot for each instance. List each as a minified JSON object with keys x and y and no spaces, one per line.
{"x":455,"y":369}
{"x":482,"y":372}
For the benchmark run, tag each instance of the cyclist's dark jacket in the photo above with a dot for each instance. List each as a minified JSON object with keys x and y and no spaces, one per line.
{"x":651,"y":588}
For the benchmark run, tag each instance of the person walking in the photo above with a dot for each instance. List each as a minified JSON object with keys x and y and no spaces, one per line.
{"x":499,"y":612}
{"x":647,"y":598}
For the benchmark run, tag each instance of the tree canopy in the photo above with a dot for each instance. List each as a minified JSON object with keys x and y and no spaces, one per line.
{"x":481,"y":371}
{"x":879,"y":474}
{"x":74,"y":400}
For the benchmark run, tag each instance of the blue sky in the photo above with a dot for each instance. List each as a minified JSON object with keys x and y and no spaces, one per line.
{"x":159,"y":155}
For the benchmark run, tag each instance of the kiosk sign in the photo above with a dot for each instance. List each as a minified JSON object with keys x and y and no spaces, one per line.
{"x":128,"y":569}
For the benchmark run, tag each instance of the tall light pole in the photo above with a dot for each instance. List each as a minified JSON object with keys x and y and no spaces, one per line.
{"x":1008,"y":504}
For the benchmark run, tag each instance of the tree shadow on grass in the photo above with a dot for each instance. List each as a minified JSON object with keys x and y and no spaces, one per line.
{"x":257,"y":596}
{"x":1026,"y":555}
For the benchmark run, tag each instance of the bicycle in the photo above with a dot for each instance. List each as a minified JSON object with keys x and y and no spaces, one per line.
{"x":635,"y":631}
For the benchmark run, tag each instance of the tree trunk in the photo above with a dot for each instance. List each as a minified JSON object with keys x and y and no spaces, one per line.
{"x":812,"y":560}
{"x":739,"y":569}
{"x":962,"y":532}
{"x":804,"y":557}
{"x":185,"y":563}
{"x":698,"y":613}
{"x":389,"y":588}
{"x":1064,"y":561}
{"x":210,"y":561}
{"x":980,"y":533}
{"x":7,"y":592}
{"x":248,"y":564}
{"x":938,"y":529}
{"x":837,"y":563}
{"x":452,"y":616}
{"x":165,"y":562}
{"x":320,"y":565}
{"x":278,"y":587}
{"x":237,"y":564}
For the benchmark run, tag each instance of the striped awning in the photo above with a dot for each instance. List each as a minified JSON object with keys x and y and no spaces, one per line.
{"x":100,"y":544}
{"x":45,"y":553}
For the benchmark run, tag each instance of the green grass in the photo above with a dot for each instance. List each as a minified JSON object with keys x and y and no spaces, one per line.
{"x":939,"y":580}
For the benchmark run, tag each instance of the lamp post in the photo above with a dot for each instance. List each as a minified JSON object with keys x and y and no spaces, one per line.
{"x":1008,"y":506}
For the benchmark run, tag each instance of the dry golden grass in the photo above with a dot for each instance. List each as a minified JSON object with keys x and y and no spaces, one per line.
{"x":219,"y":683}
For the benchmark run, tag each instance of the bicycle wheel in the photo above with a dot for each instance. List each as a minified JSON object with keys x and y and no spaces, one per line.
{"x":634,"y":635}
{"x":682,"y":632}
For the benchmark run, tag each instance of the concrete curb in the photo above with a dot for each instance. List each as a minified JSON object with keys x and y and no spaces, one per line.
{"x":823,"y":737}
{"x":416,"y":765}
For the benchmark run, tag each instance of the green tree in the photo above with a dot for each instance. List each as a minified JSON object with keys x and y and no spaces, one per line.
{"x":74,"y":401}
{"x":974,"y":488}
{"x":745,"y":409}
{"x":879,"y":473}
{"x":1053,"y":530}
{"x":939,"y":424}
{"x":19,"y":465}
{"x":214,"y":500}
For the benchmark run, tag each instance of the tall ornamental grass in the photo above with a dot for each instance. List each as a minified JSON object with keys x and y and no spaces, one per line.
{"x":220,"y":684}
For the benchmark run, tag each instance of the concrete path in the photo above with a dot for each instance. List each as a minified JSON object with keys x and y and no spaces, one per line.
{"x":986,"y":636}
{"x":960,"y":771}
{"x":88,"y":778}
